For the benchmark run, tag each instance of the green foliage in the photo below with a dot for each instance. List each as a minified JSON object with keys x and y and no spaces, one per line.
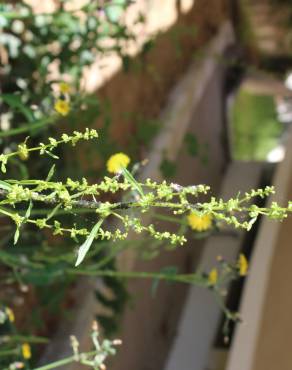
{"x":58,"y":219}
{"x":196,"y":149}
{"x":146,"y":131}
{"x":255,"y":129}
{"x":119,"y":297}
{"x":192,"y":144}
{"x":168,"y":168}
{"x":94,"y":359}
{"x":30,"y":45}
{"x":178,"y":200}
{"x":83,"y":250}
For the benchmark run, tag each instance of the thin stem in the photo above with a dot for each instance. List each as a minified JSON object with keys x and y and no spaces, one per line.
{"x":64,"y":361}
{"x":26,"y":128}
{"x":168,"y":219}
{"x":96,"y":204}
{"x":29,"y":339}
{"x":37,"y":148}
{"x":195,"y":279}
{"x":9,"y":352}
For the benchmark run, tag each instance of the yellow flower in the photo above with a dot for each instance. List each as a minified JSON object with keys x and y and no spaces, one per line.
{"x":62,"y":107}
{"x":10,"y":314}
{"x":213,"y":277}
{"x":26,"y":351}
{"x":64,"y":88}
{"x":199,"y":223}
{"x":242,"y":265}
{"x":117,"y":162}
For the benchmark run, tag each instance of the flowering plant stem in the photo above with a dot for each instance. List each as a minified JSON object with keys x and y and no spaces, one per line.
{"x":64,"y":361}
{"x":196,"y":279}
{"x":23,"y":128}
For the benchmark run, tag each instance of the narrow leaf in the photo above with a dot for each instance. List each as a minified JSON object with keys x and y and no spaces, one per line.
{"x":51,"y":173}
{"x":26,"y":216}
{"x":250,"y":223}
{"x":84,"y":248}
{"x":4,"y":185}
{"x":14,"y":101}
{"x":51,"y":154}
{"x":132,"y":181}
{"x":53,"y":212}
{"x":16,"y":236}
{"x":28,"y":211}
{"x":192,"y":144}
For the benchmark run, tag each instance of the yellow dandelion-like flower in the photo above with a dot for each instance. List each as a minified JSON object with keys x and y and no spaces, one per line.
{"x":64,"y":88}
{"x":213,"y":277}
{"x":199,"y":223}
{"x":242,"y":265}
{"x":26,"y":351}
{"x":62,"y":107}
{"x":117,"y":162}
{"x":10,"y":314}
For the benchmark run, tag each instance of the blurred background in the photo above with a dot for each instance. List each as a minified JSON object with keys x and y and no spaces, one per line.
{"x":203,"y":90}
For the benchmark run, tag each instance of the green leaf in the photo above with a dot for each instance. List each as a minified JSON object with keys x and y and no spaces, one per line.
{"x":147,"y":46}
{"x":147,"y":130}
{"x":17,"y":232}
{"x":132,"y":181}
{"x":14,"y":101}
{"x":27,"y":214}
{"x":251,"y":222}
{"x":28,"y":211}
{"x":16,"y":236}
{"x":3,"y":167}
{"x":192,"y":144}
{"x":84,"y":248}
{"x":4,"y":185}
{"x":51,"y":154}
{"x":53,"y":212}
{"x":168,"y":168}
{"x":51,"y":173}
